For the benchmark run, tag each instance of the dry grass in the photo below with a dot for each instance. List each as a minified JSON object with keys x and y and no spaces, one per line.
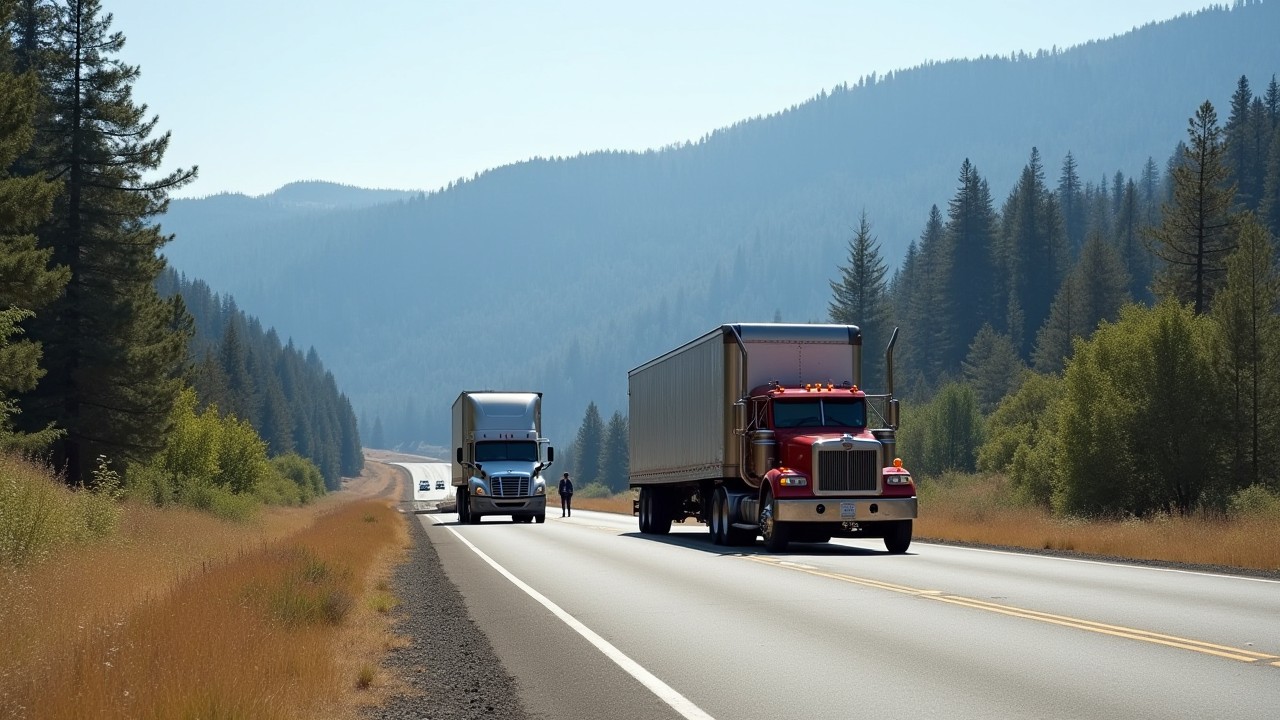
{"x":188,"y":616}
{"x":620,"y":503}
{"x":976,"y":509}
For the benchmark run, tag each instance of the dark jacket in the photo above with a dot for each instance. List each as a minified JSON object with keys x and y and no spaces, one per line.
{"x":566,"y":486}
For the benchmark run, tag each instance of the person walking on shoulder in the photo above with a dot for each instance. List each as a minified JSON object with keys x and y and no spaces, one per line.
{"x":566,"y":495}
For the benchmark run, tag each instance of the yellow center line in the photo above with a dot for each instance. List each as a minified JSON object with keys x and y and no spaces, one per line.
{"x":1199,"y":646}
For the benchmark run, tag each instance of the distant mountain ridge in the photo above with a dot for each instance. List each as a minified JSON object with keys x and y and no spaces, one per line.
{"x":560,"y":274}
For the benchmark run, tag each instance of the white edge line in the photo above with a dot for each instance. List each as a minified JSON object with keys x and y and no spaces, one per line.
{"x":1107,"y":563}
{"x":665,"y":692}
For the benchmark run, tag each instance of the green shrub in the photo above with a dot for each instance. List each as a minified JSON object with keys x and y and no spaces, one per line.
{"x":32,"y":511}
{"x":1254,"y":501}
{"x":593,"y":490}
{"x":150,"y":485}
{"x":219,"y":501}
{"x":274,"y":488}
{"x":301,"y":472}
{"x":38,"y":513}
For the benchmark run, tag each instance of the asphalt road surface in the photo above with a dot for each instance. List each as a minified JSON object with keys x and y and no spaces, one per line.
{"x":594,"y":620}
{"x":431,"y":485}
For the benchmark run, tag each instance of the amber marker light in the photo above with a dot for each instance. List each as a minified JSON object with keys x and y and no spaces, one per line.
{"x":897,"y":462}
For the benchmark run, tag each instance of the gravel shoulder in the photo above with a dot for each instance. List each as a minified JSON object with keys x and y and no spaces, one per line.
{"x":447,"y":664}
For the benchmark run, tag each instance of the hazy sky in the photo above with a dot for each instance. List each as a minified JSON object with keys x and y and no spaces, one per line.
{"x":414,"y":93}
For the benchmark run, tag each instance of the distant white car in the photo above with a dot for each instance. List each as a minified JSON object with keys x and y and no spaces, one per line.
{"x":424,"y":485}
{"x":439,"y":484}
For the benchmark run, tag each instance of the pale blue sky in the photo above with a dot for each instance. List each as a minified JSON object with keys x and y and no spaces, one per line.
{"x":414,"y":93}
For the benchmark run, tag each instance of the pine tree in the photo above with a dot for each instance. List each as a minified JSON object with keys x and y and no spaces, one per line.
{"x":351,"y":455}
{"x":1271,"y":101}
{"x":1095,"y":290}
{"x":1035,"y":253}
{"x":993,"y":368}
{"x":1128,"y":239}
{"x":1195,"y":236}
{"x":1241,"y":150}
{"x":923,"y":313}
{"x":589,"y":442}
{"x":614,"y":459}
{"x":1071,"y":201}
{"x":376,"y":439}
{"x":1246,"y":313}
{"x":27,"y":282}
{"x":1150,"y":193}
{"x":1269,"y":207}
{"x":1099,"y":203}
{"x":861,"y":297}
{"x":114,"y":362}
{"x":233,"y":359}
{"x":971,"y":278}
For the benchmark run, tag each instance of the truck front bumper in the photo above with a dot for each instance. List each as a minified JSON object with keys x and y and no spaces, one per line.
{"x":846,"y":509}
{"x":485,"y":505}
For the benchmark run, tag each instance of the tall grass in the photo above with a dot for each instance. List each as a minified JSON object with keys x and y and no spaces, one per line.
{"x":39,"y":514}
{"x":191,"y":616}
{"x":982,"y":509}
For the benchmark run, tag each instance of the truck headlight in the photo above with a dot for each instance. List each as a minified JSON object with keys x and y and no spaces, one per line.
{"x":480,"y":490}
{"x":897,"y":479}
{"x":540,"y":489}
{"x":793,"y":481}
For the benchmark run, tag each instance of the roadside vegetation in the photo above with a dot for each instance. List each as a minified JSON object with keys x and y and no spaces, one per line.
{"x":185,"y":614}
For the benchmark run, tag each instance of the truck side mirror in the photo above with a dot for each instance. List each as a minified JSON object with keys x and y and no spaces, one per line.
{"x":459,"y":456}
{"x":551,"y":454}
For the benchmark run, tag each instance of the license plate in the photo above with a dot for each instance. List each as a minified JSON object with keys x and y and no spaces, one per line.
{"x":848,"y":510}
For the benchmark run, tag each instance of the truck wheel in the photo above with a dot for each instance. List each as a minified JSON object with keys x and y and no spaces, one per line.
{"x":464,"y":510}
{"x":898,"y":536}
{"x":776,"y":534}
{"x":718,"y":516}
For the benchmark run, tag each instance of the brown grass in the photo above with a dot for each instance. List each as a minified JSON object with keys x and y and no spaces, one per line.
{"x":620,"y":503}
{"x":187,"y":616}
{"x":978,"y":509}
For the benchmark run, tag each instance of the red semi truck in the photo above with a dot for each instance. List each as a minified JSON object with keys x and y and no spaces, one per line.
{"x":764,"y":430}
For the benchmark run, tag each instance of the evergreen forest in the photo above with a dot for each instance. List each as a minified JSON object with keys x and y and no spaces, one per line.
{"x":115,"y":372}
{"x":560,"y":274}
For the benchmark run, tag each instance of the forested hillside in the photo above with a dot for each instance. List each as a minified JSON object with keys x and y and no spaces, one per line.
{"x":288,"y":397}
{"x":559,"y":274}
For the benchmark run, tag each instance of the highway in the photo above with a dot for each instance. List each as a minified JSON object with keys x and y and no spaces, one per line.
{"x":430,"y":484}
{"x":597,"y":621}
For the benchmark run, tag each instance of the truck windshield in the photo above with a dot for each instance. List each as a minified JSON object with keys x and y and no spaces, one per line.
{"x":495,"y":451}
{"x":827,"y":412}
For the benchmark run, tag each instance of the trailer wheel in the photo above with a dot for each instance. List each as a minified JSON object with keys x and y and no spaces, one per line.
{"x":646,"y":500}
{"x":776,"y":534}
{"x":897,"y":538}
{"x":660,"y":511}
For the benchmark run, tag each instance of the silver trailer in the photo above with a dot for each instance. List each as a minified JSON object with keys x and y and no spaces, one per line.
{"x":499,"y":456}
{"x":714,"y":436}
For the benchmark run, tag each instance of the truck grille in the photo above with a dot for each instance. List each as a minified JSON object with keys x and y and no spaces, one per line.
{"x":509,"y":486}
{"x":847,"y":471}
